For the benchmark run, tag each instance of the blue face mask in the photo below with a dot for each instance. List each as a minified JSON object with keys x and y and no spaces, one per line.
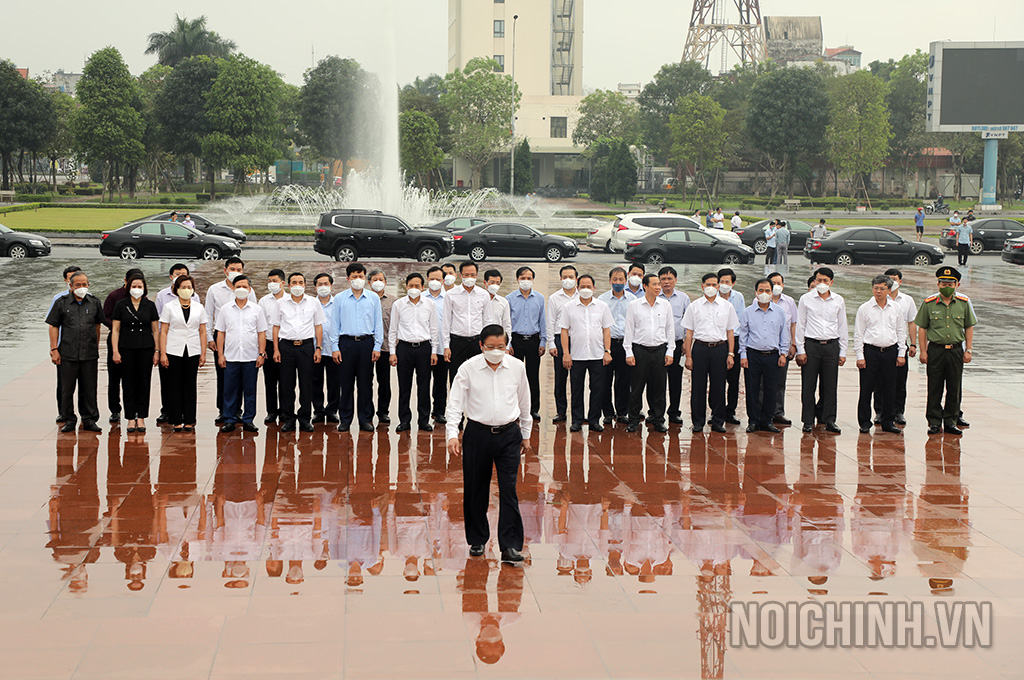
{"x":618,"y":287}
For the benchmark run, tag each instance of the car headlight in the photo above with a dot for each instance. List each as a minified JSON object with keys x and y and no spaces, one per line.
{"x":571,"y":244}
{"x":237,"y":231}
{"x":35,"y":242}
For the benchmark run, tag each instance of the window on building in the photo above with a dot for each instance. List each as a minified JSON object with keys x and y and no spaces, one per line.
{"x":499,"y":2}
{"x":559,"y":127}
{"x":499,"y":28}
{"x":500,"y":58}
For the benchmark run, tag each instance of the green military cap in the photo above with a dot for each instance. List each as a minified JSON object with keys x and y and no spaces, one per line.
{"x":947,"y":273}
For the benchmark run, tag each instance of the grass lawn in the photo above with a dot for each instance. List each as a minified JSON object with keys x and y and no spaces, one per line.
{"x":72,"y":219}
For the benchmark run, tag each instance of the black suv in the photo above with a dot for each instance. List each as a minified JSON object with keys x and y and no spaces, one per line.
{"x":347,"y":235}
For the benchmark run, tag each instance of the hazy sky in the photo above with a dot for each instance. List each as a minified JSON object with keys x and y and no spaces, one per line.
{"x":619,"y":46}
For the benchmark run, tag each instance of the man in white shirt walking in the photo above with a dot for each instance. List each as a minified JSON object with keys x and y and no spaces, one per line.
{"x":649,"y":343}
{"x":585,"y":325}
{"x":218,"y":295}
{"x":413,"y":337}
{"x":554,"y":305}
{"x":821,"y":339}
{"x":880,"y":341}
{"x":241,"y":350}
{"x":710,"y":345}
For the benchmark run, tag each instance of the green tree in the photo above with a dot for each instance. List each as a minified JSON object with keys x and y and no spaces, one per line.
{"x":108,"y":126}
{"x":27,"y":122}
{"x":188,"y":38}
{"x":699,"y":135}
{"x":329,"y":107}
{"x":61,"y":143}
{"x":787,"y":118}
{"x":613,"y":177}
{"x":480,"y":103}
{"x":858,"y":131}
{"x":657,"y":101}
{"x":242,"y":107}
{"x":425,"y":95}
{"x":180,"y":109}
{"x":150,"y":85}
{"x":905,"y":99}
{"x":419,"y":145}
{"x":606,"y":113}
{"x":523,"y":170}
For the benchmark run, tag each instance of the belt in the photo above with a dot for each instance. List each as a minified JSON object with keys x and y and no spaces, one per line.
{"x":413,"y":344}
{"x":657,"y":348}
{"x":297,"y":343}
{"x":763,"y":352}
{"x":939,"y":344}
{"x":522,"y":336}
{"x":495,"y":429}
{"x":711,"y":344}
{"x":618,"y":340}
{"x":467,"y":338}
{"x":356,"y":338}
{"x":882,"y":349}
{"x":821,"y":342}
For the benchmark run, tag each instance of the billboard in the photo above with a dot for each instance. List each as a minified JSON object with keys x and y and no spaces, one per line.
{"x":975,"y":87}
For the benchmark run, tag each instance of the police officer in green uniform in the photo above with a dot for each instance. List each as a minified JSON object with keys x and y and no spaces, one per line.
{"x":945,"y":325}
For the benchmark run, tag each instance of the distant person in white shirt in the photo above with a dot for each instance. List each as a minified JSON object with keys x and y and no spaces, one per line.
{"x":736,"y":222}
{"x":718,"y":219}
{"x":241,"y":350}
{"x":188,"y":221}
{"x":413,"y":337}
{"x":218,"y":295}
{"x":501,"y":313}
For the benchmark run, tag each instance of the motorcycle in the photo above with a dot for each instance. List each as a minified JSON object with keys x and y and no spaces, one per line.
{"x":936,"y":208}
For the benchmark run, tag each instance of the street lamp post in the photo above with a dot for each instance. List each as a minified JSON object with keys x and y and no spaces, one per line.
{"x":512,"y":159}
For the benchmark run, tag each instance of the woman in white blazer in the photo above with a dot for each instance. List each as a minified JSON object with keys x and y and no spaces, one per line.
{"x":182,"y":352}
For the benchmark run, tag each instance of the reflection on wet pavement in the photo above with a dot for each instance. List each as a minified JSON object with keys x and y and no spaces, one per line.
{"x":331,"y":554}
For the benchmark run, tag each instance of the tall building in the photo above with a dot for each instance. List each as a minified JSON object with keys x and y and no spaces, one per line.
{"x":548,"y":71}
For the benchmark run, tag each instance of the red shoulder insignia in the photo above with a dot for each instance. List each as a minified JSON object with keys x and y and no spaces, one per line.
{"x":932,"y":298}
{"x":961,"y":296}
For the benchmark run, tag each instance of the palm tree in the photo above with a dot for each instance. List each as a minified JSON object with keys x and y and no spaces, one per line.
{"x":188,"y":38}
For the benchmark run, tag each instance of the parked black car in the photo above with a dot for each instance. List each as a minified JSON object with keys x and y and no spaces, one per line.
{"x":347,"y":235}
{"x":871,"y":245}
{"x":989,"y":234}
{"x":165,"y":239}
{"x":1013,"y":250}
{"x":21,"y":244}
{"x":507,"y":239}
{"x":203,"y":224}
{"x":686,"y":246}
{"x":453,"y":224}
{"x":753,"y":235}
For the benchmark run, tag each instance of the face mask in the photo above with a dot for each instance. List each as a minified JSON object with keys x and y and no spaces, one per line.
{"x":822,"y":288}
{"x":764,"y":298}
{"x":136,"y":293}
{"x":493,"y":289}
{"x":241,"y":293}
{"x":568,"y":284}
{"x":434,"y":285}
{"x":468,"y":283}
{"x":526,"y":285}
{"x":618,"y":287}
{"x":449,"y":280}
{"x":274,"y":287}
{"x":357,"y":284}
{"x":586,"y":293}
{"x":185,"y":293}
{"x":635,"y":281}
{"x":777,"y":290}
{"x":377,"y":286}
{"x":297,"y":291}
{"x":323,"y":291}
{"x":725,"y":289}
{"x":895,"y":285}
{"x":946,"y":291}
{"x":414,"y":293}
{"x":80,"y":293}
{"x":710,"y":291}
{"x":494,"y":356}
{"x":233,"y":275}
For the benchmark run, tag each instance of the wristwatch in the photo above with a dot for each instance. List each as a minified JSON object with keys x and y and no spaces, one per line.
{"x":318,"y":348}
{"x":263,"y":354}
{"x":732,"y":354}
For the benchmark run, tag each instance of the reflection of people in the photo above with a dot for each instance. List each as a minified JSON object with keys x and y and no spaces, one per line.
{"x":131,"y":508}
{"x":879,"y":521}
{"x":942,"y":528}
{"x":239,"y":524}
{"x":490,"y":646}
{"x":819,"y":509}
{"x":74,"y":511}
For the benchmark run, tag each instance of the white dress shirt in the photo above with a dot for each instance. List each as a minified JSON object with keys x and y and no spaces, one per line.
{"x":501,"y":314}
{"x":736,"y":222}
{"x":218,"y":295}
{"x":298,"y":320}
{"x":650,"y":325}
{"x":413,"y":322}
{"x":270,"y":306}
{"x":880,"y":326}
{"x":183,"y":334}
{"x":821,"y":319}
{"x":490,"y":397}
{"x":909,"y":307}
{"x":710,"y":320}
{"x":241,"y":327}
{"x":556,"y":301}
{"x":466,"y":312}
{"x":586,"y":324}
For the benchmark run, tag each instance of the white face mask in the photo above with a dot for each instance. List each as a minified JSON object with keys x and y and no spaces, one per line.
{"x":80,"y":293}
{"x":468,"y":283}
{"x":136,"y":293}
{"x":764,"y":298}
{"x":777,"y":290}
{"x":895,"y":285}
{"x":710,"y":291}
{"x":568,"y":284}
{"x":494,"y":356}
{"x":185,"y":293}
{"x":297,"y":290}
{"x":526,"y":284}
{"x":586,"y":293}
{"x":377,"y":286}
{"x":414,"y":293}
{"x":725,"y":289}
{"x":822,"y":288}
{"x":449,"y":280}
{"x":493,"y":288}
{"x":241,"y":293}
{"x":635,"y":281}
{"x":434,"y":285}
{"x":233,"y":275}
{"x":274,"y":287}
{"x":323,"y":291}
{"x":357,"y":284}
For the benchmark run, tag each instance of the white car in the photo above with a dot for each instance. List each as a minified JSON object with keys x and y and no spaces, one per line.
{"x":632,"y":226}
{"x":601,"y":237}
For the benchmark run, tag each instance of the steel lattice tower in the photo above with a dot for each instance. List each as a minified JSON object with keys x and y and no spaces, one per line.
{"x":707,"y":28}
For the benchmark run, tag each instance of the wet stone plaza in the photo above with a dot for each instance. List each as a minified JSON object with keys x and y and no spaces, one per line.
{"x":331,"y":555}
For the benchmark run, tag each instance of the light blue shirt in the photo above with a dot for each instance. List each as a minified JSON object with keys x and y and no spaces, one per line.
{"x":782,"y":236}
{"x":349,"y":315}
{"x":769,"y":235}
{"x":963,"y":232}
{"x":919,"y":219}
{"x":638,"y":293}
{"x":738,"y":303}
{"x":528,"y":314}
{"x":438,"y":301}
{"x":679,"y":303}
{"x":764,"y":329}
{"x":618,"y":306}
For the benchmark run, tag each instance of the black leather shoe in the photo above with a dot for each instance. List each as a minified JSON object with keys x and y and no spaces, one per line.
{"x":60,"y":420}
{"x":807,"y":429}
{"x":344,"y":427}
{"x":161,"y":419}
{"x":732,"y":420}
{"x":90,"y":426}
{"x":288,"y":427}
{"x":317,"y":420}
{"x":697,"y":428}
{"x":659,"y":427}
{"x":219,"y":420}
{"x":596,"y":427}
{"x":877,"y":420}
{"x":535,"y":416}
{"x":575,"y":427}
{"x":425,"y":427}
{"x":782,"y":420}
{"x":607,"y":420}
{"x":675,"y":420}
{"x":249,"y":427}
{"x":631,"y":427}
{"x":440,"y":419}
{"x":512,"y":556}
{"x":332,"y":419}
{"x":366,"y":427}
{"x":718,"y":428}
{"x":962,"y":424}
{"x":623,"y":420}
{"x":891,"y":429}
{"x":384,"y":419}
{"x":948,"y":429}
{"x":864,"y":429}
{"x":270,"y":420}
{"x":770,"y":428}
{"x":69,"y":426}
{"x":306,"y":426}
{"x":934,"y":429}
{"x":228,"y":427}
{"x":476,"y":550}
{"x":560,"y":418}
{"x":752,"y":428}
{"x":900,"y":419}
{"x":832,"y":427}
{"x":114,"y":418}
{"x":404,"y":427}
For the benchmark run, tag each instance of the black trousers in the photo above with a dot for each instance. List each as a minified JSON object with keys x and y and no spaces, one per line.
{"x":182,"y":374}
{"x":439,"y":375}
{"x":651,"y":373}
{"x":945,"y":373}
{"x":780,"y":403}
{"x":578,"y":373}
{"x":272,"y":384}
{"x":732,"y":386}
{"x":902,"y":372}
{"x":963,"y":250}
{"x":413,"y":361}
{"x":114,"y":372}
{"x":83,"y":375}
{"x":462,"y":349}
{"x":675,"y":381}
{"x":708,"y":387}
{"x":879,"y":373}
{"x":482,"y":452}
{"x":136,"y":381}
{"x":382,"y":372}
{"x":821,"y":372}
{"x":615,"y":401}
{"x":296,"y":367}
{"x":561,"y":378}
{"x":326,"y":374}
{"x":762,"y":377}
{"x":165,"y":389}
{"x":356,"y":375}
{"x":59,"y":395}
{"x":526,"y":348}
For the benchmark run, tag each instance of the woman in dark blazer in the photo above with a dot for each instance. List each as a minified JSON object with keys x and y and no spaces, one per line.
{"x":133,"y":340}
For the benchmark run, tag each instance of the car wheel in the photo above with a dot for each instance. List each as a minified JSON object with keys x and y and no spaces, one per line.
{"x":478,"y":253}
{"x":608,"y":246}
{"x":654,"y":259}
{"x":977,"y":246}
{"x":732,"y":258}
{"x":346,"y":253}
{"x":922,"y":259}
{"x":553,"y":254}
{"x":211,"y":253}
{"x":428,"y":254}
{"x":128,"y":253}
{"x":18,"y":252}
{"x":760,"y":246}
{"x":844,"y":259}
